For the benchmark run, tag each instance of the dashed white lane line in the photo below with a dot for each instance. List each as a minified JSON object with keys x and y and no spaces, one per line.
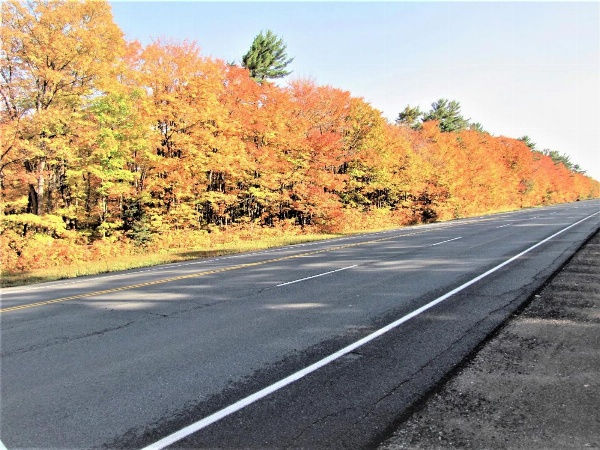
{"x":240,"y":404}
{"x":169,"y":267}
{"x":316,"y":276}
{"x":443,"y":242}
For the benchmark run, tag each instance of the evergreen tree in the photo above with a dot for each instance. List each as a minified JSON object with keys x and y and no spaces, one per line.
{"x":448,"y":115}
{"x":267,"y":57}
{"x":528,"y":142}
{"x":563,"y":159}
{"x":410,"y":117}
{"x":476,"y":126}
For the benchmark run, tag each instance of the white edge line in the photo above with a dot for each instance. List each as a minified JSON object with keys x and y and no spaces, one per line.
{"x":443,"y":242}
{"x":2,"y":446}
{"x":240,"y":404}
{"x":316,"y":276}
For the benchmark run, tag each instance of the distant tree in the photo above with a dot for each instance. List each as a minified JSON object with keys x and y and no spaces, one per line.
{"x":559,"y":158}
{"x":528,"y":142}
{"x":410,"y":117}
{"x":476,"y":126}
{"x":267,"y":57}
{"x":447,"y":113}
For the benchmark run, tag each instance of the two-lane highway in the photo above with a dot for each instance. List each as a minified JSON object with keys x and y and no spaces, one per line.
{"x":317,"y":345}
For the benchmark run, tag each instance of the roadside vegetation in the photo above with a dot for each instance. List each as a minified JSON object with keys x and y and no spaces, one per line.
{"x":116,"y":155}
{"x":89,"y":262}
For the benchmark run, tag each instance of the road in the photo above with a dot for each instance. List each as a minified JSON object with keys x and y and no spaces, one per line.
{"x":128,"y":359}
{"x":533,"y":385}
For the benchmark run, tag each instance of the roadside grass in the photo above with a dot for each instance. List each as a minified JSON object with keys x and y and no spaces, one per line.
{"x":233,"y":244}
{"x":9,"y":279}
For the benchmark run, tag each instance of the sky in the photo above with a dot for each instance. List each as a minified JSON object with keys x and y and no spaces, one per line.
{"x":517,"y":68}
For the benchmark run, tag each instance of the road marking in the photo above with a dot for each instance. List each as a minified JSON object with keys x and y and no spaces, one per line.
{"x":2,"y":446}
{"x":502,"y":226}
{"x":207,"y":272}
{"x":443,"y":242}
{"x":164,"y":267}
{"x":169,"y":266}
{"x":240,"y":404}
{"x":316,"y":276}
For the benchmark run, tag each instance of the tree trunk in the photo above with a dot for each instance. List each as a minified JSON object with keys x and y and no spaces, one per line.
{"x":36,"y":193}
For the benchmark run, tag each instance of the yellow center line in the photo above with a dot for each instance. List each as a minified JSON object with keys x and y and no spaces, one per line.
{"x":204,"y":273}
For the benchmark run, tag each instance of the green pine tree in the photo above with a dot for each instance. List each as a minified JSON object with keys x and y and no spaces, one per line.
{"x":410,"y":117}
{"x":448,"y":115}
{"x":267,"y":58}
{"x":476,"y":126}
{"x":528,"y":142}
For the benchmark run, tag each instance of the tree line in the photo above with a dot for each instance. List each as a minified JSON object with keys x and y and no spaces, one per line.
{"x":109,"y":143}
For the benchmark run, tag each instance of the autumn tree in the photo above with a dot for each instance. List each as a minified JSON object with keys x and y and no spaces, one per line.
{"x":324,"y":112}
{"x":115,"y":160}
{"x":56,"y":57}
{"x":267,"y":57}
{"x":199,"y":158}
{"x":363,"y":146}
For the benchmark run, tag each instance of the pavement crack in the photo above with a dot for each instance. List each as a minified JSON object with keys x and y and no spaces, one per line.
{"x":64,"y":340}
{"x":198,"y":307}
{"x":179,"y":312}
{"x":164,"y":316}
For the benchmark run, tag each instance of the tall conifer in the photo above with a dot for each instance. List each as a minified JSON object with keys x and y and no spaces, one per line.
{"x":267,"y":57}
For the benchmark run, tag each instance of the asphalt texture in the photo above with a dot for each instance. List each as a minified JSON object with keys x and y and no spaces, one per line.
{"x":535,"y":384}
{"x":123,"y":360}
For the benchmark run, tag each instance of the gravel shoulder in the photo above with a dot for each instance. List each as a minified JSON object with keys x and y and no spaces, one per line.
{"x":534,"y":385}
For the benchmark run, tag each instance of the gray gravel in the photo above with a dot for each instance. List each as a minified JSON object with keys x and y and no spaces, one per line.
{"x":535,"y":385}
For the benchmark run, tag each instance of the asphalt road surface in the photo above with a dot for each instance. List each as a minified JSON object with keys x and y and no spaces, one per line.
{"x":309,"y":346}
{"x":533,"y":385}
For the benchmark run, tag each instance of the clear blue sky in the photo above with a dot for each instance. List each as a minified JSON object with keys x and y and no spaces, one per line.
{"x":517,"y":68}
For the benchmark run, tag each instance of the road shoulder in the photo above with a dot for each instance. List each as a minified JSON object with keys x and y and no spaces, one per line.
{"x":535,"y":384}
